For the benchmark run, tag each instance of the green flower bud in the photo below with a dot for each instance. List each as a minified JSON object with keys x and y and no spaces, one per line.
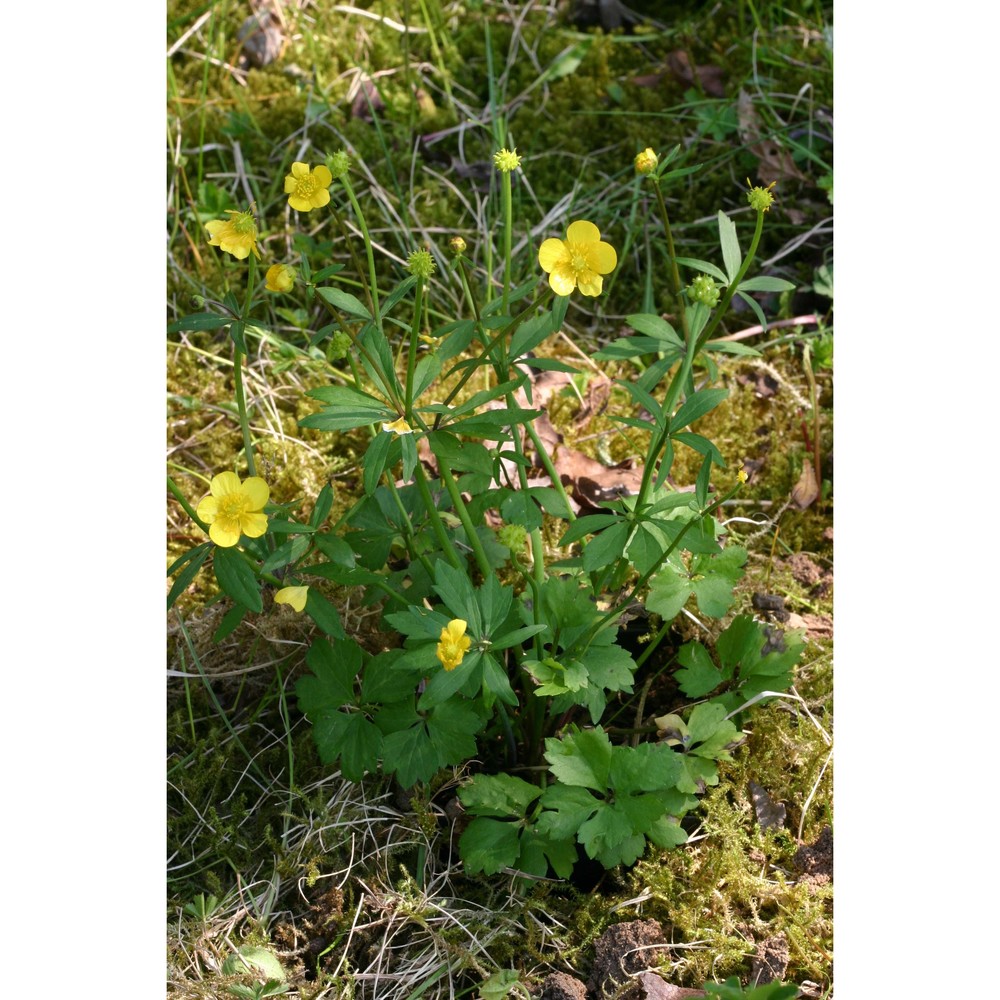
{"x":704,"y":289}
{"x":338,"y":164}
{"x":420,"y":263}
{"x":760,"y":198}
{"x":340,"y":344}
{"x":513,"y":536}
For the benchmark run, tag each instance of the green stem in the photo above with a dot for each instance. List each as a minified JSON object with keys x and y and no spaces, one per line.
{"x":411,"y":360}
{"x":674,"y":273}
{"x":505,"y":208}
{"x":463,"y":515}
{"x":420,"y":477}
{"x":241,"y":401}
{"x":188,"y":509}
{"x":376,"y":308}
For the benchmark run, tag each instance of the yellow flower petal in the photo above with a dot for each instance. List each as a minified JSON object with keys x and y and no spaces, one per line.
{"x":583,"y":232}
{"x":300,"y":204}
{"x":254,"y":525}
{"x":257,"y":492}
{"x":603,"y":257}
{"x":223,"y":533}
{"x":590,"y":284}
{"x":290,"y":184}
{"x":323,"y":176}
{"x":399,"y":426}
{"x":224,"y":483}
{"x":294,"y":596}
{"x":300,"y":169}
{"x":321,"y":197}
{"x":562,"y":279}
{"x":208,"y":509}
{"x":551,"y":254}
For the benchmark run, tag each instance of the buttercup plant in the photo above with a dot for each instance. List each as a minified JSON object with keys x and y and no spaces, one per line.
{"x":509,"y":647}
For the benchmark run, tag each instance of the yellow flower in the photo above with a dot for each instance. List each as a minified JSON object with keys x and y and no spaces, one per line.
{"x":646,"y":161}
{"x":454,"y":642}
{"x":234,"y":508}
{"x":237,"y":235}
{"x":577,"y":261}
{"x":398,"y":427}
{"x":307,"y":189}
{"x":295,"y":596}
{"x":742,"y":475}
{"x":280,"y":278}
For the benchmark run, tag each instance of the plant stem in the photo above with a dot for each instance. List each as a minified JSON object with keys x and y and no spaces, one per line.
{"x":675,"y":276}
{"x":463,"y":515}
{"x":359,"y":215}
{"x":411,"y":360}
{"x":241,"y":402}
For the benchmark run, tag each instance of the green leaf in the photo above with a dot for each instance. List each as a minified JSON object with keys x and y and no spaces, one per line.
{"x":764,"y":283}
{"x":520,"y":509}
{"x":334,"y":668}
{"x":583,"y":526}
{"x":608,"y":836}
{"x":498,"y":795}
{"x":230,"y":620}
{"x":324,"y":502}
{"x":610,"y":667}
{"x":655,"y":326}
{"x":324,"y":614}
{"x":668,"y":593}
{"x":376,"y":459}
{"x":755,"y":306}
{"x":732,"y":347}
{"x":336,"y":549}
{"x":731,"y":255}
{"x":706,"y":267}
{"x":581,"y":758}
{"x":287,"y":552}
{"x":428,"y":369}
{"x":567,"y":808}
{"x":605,"y":548}
{"x":488,"y":845}
{"x":195,"y":558}
{"x":702,"y":482}
{"x":697,"y":405}
{"x":199,"y":321}
{"x":236,"y":578}
{"x":344,"y":301}
{"x":529,"y":335}
{"x":699,"y":674}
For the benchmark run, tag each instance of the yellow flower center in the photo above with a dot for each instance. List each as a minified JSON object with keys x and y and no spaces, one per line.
{"x":578,"y":260}
{"x":233,"y":506}
{"x":305,"y":186}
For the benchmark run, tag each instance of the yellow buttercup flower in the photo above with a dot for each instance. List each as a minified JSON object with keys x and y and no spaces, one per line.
{"x":236,"y":235}
{"x":280,"y":278}
{"x":234,"y":508}
{"x":307,"y":189}
{"x":577,"y":261}
{"x":454,"y":642}
{"x":398,"y":427}
{"x":295,"y":596}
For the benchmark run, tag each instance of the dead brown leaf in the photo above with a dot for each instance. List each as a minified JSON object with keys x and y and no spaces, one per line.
{"x":770,"y":813}
{"x":805,"y":491}
{"x":710,"y":77}
{"x":657,"y":988}
{"x":776,"y":162}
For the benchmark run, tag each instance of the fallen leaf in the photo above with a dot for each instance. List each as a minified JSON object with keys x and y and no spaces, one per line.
{"x":805,"y":491}
{"x":710,"y":77}
{"x":770,"y":814}
{"x":657,"y":988}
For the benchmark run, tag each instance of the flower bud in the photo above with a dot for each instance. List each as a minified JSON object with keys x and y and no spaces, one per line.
{"x":340,"y":344}
{"x":647,"y":161}
{"x":420,"y":263}
{"x":704,"y":289}
{"x":457,"y":245}
{"x":760,"y":198}
{"x":338,"y":164}
{"x":280,"y":278}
